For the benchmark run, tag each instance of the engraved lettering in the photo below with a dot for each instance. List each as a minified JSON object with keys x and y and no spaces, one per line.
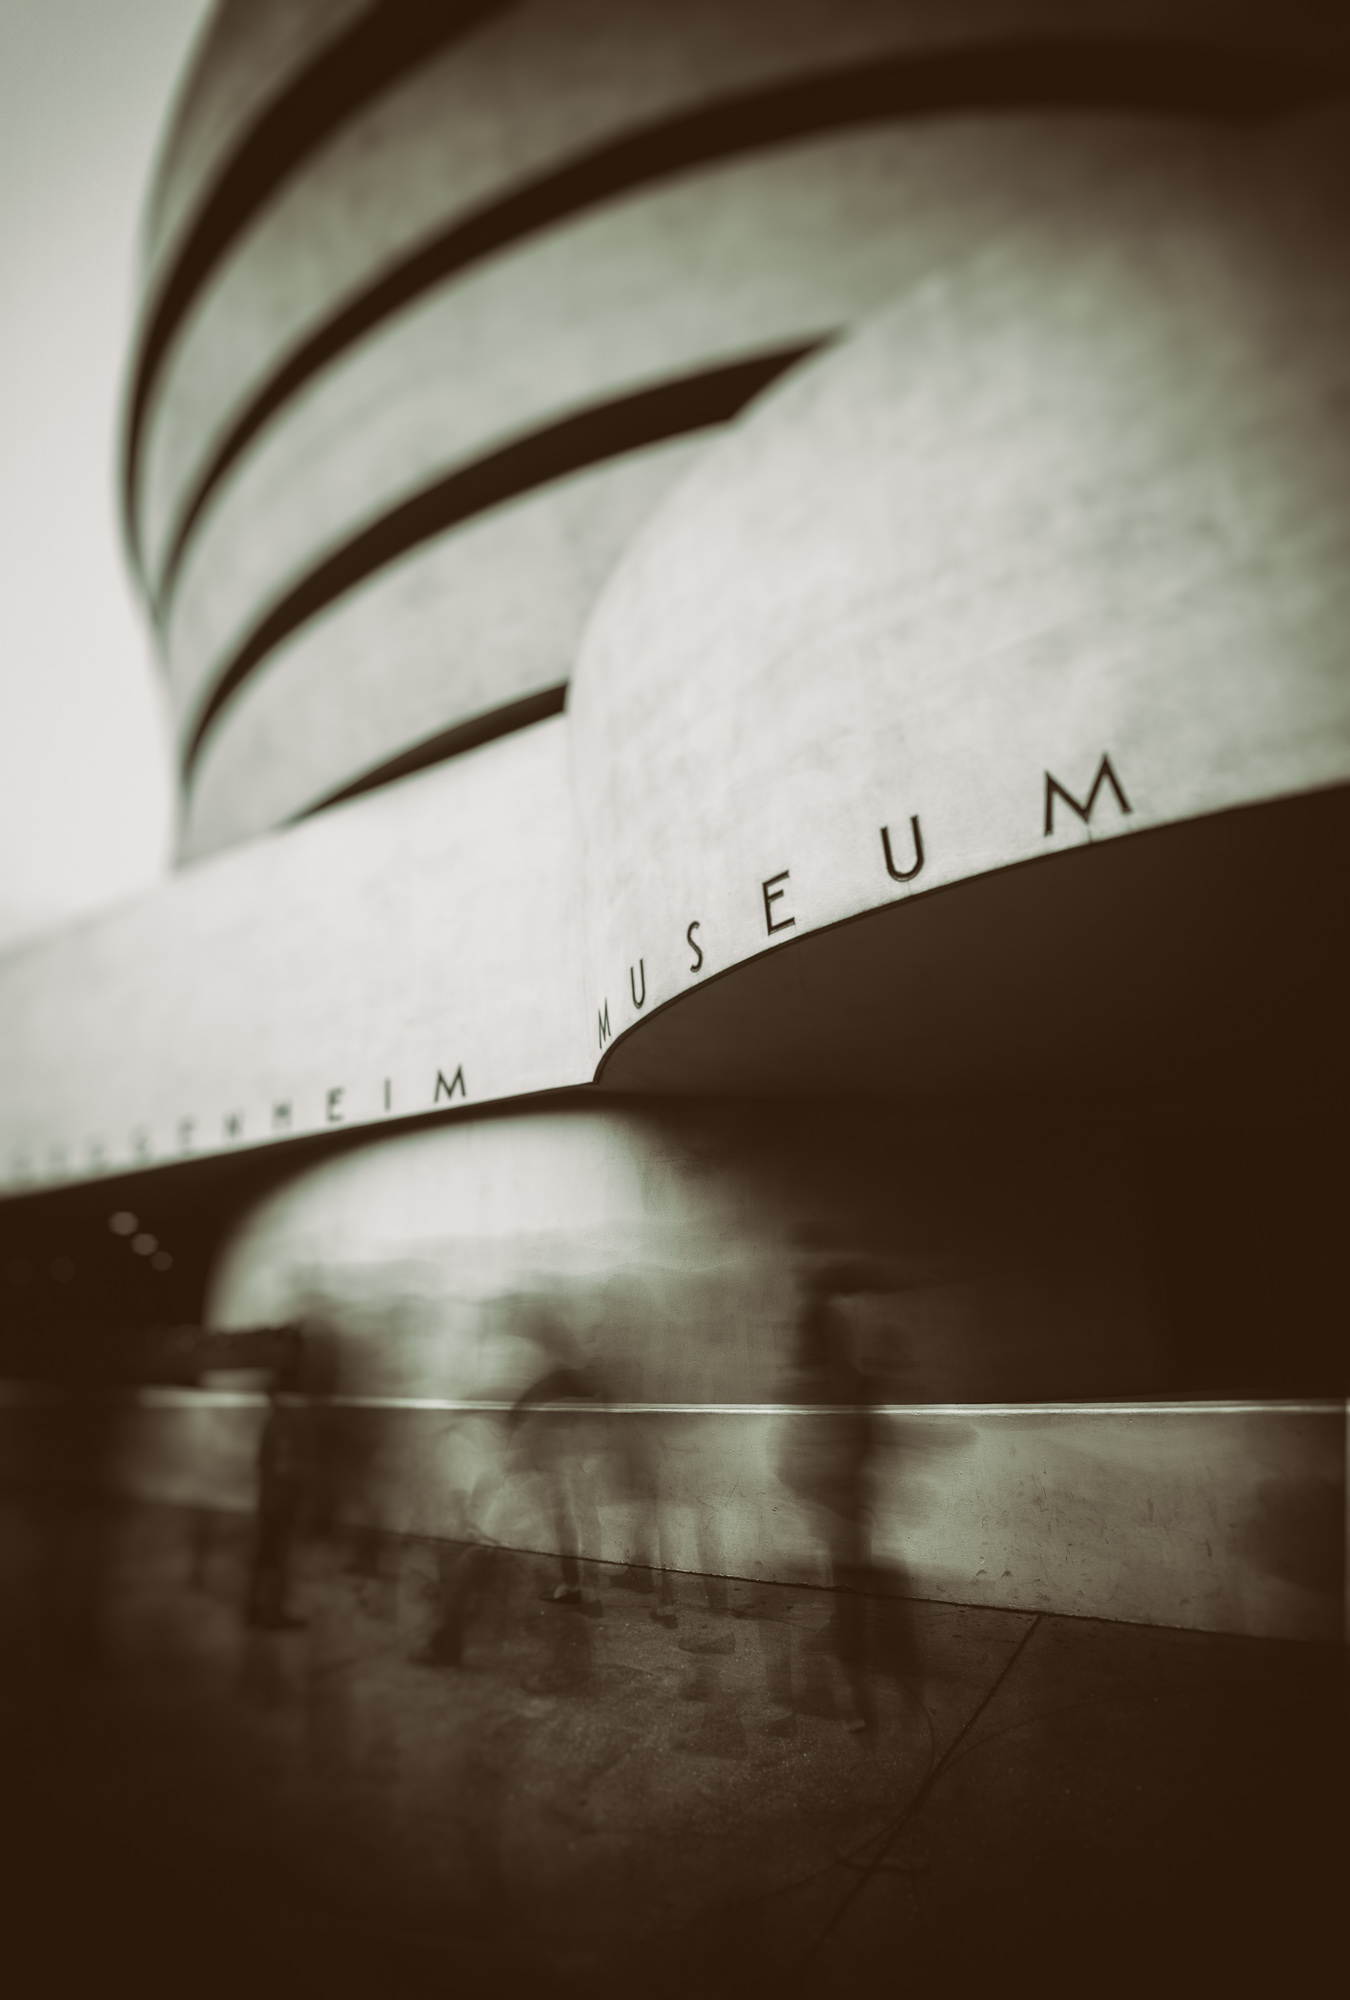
{"x":1105,"y":776}
{"x":633,"y":985}
{"x":605,"y":1030}
{"x":784,"y":923}
{"x":281,"y":1117}
{"x":697,"y":949}
{"x":335,"y":1106}
{"x":456,"y":1083}
{"x":903,"y":874}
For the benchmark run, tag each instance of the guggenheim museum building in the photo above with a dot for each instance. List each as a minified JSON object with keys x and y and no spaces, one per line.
{"x":754,"y":599}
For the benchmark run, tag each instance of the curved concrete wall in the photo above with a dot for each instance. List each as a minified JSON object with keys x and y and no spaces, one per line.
{"x":442,"y":1279}
{"x":668,"y":1242}
{"x":415,"y":952}
{"x":475,"y":621}
{"x":1094,"y":1511}
{"x":249,"y":51}
{"x":1076,"y":495}
{"x":1042,"y":543}
{"x":1080,"y":498}
{"x":458,"y":256}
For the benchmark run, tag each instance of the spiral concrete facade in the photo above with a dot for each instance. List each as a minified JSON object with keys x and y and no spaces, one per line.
{"x":659,"y":491}
{"x":494,"y":301}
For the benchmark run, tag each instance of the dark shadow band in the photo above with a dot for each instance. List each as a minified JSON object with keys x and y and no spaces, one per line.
{"x":448,"y":743}
{"x":606,"y":431}
{"x":1233,"y":85}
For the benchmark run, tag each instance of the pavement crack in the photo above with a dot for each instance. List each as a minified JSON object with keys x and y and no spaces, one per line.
{"x":916,"y":1804}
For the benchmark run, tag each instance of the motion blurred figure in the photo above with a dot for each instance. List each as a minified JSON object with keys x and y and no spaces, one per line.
{"x":550,"y":1441}
{"x":285,"y":1477}
{"x":829,"y":1451}
{"x":545,"y":1456}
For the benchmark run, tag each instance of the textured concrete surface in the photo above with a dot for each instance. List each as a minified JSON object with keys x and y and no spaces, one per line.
{"x":426,"y":926}
{"x":387,"y":667}
{"x":1226,"y":1519}
{"x":442,"y":1771}
{"x":988,"y":539}
{"x":525,"y":93}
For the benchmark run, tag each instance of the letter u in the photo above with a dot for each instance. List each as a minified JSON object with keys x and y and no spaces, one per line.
{"x":903,"y":874}
{"x":639,"y":999}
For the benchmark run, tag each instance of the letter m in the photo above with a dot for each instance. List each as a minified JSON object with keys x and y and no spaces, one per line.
{"x":605,"y":1030}
{"x":1105,"y":776}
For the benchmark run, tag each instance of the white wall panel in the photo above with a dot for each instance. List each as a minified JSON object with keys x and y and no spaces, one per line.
{"x":426,"y":928}
{"x":786,"y":247}
{"x":1163,"y":1515}
{"x":462,"y":626}
{"x":518,"y":97}
{"x":251,"y":50}
{"x":1084,"y":494}
{"x":780,"y":248}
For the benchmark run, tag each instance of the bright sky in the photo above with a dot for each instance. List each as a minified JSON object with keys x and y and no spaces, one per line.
{"x":86,"y":802}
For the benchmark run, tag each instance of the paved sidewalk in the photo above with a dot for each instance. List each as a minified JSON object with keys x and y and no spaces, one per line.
{"x":451,"y":1768}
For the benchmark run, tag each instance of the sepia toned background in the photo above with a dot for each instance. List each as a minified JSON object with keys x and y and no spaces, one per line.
{"x":713,"y":1184}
